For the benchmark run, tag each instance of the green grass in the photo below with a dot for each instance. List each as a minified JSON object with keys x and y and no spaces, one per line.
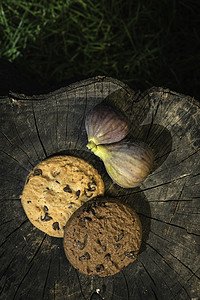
{"x":143,"y":43}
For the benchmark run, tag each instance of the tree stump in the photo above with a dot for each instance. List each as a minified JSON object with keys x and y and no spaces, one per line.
{"x":33,"y":265}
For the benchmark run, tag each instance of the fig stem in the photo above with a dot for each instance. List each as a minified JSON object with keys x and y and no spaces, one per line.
{"x":98,"y":150}
{"x":91,"y":145}
{"x":101,"y":152}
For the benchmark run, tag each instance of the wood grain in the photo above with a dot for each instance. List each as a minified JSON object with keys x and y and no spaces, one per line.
{"x":32,"y":264}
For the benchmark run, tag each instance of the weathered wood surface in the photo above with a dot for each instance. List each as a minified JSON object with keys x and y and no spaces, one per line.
{"x":32,"y":264}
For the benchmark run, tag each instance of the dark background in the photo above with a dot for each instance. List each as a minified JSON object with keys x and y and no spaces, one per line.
{"x":142,"y":43}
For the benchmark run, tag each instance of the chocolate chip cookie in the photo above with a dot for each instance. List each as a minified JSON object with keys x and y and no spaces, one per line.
{"x":102,"y":237}
{"x":56,"y":188}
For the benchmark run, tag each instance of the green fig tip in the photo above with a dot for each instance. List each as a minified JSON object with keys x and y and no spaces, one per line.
{"x":91,"y":146}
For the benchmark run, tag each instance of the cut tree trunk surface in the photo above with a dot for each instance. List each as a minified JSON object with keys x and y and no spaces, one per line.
{"x":32,"y":264}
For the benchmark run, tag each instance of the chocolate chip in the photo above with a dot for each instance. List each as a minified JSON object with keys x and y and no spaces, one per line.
{"x":99,"y":268}
{"x":55,"y":173}
{"x":90,"y":209}
{"x":70,"y":206}
{"x":117,"y":246}
{"x":88,"y":196}
{"x":130,"y":254}
{"x":67,"y":189}
{"x":28,"y":201}
{"x":85,"y":239}
{"x":91,"y":187}
{"x":103,"y":245}
{"x":45,"y":208}
{"x":93,"y":181}
{"x":78,"y":194}
{"x":119,"y":237}
{"x":57,"y":182}
{"x":46,"y":217}
{"x":85,"y":256}
{"x":82,"y":221}
{"x":80,"y":245}
{"x":37,"y":172}
{"x":107,"y":257}
{"x":55,"y":226}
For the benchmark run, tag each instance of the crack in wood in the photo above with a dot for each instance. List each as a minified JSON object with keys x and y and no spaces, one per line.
{"x":82,"y":121}
{"x":45,"y":283}
{"x":188,"y":214}
{"x":37,"y":130}
{"x":1,"y":291}
{"x":195,"y":152}
{"x":126,"y":282}
{"x":177,"y":293}
{"x":96,"y":296}
{"x":167,"y":265}
{"x":154,"y":294}
{"x":171,"y":224}
{"x":170,"y":200}
{"x":188,"y":268}
{"x":80,"y":286}
{"x":193,"y":275}
{"x":19,"y":147}
{"x":54,"y":291}
{"x":175,"y":258}
{"x":10,"y":156}
{"x":23,"y":278}
{"x":66,"y":126}
{"x":148,"y":273}
{"x":176,"y":207}
{"x":6,"y":222}
{"x":17,"y":228}
{"x":155,"y":186}
{"x":32,"y":283}
{"x":183,"y":246}
{"x":7,"y":267}
{"x":194,"y":175}
{"x":38,"y":249}
{"x":159,"y":267}
{"x":177,"y":164}
{"x":153,"y":116}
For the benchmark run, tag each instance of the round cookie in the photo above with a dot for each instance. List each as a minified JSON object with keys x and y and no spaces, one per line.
{"x":102,"y":237}
{"x":56,"y":188}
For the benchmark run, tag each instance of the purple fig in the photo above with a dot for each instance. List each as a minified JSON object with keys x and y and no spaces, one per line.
{"x":105,"y":125}
{"x":127,"y":163}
